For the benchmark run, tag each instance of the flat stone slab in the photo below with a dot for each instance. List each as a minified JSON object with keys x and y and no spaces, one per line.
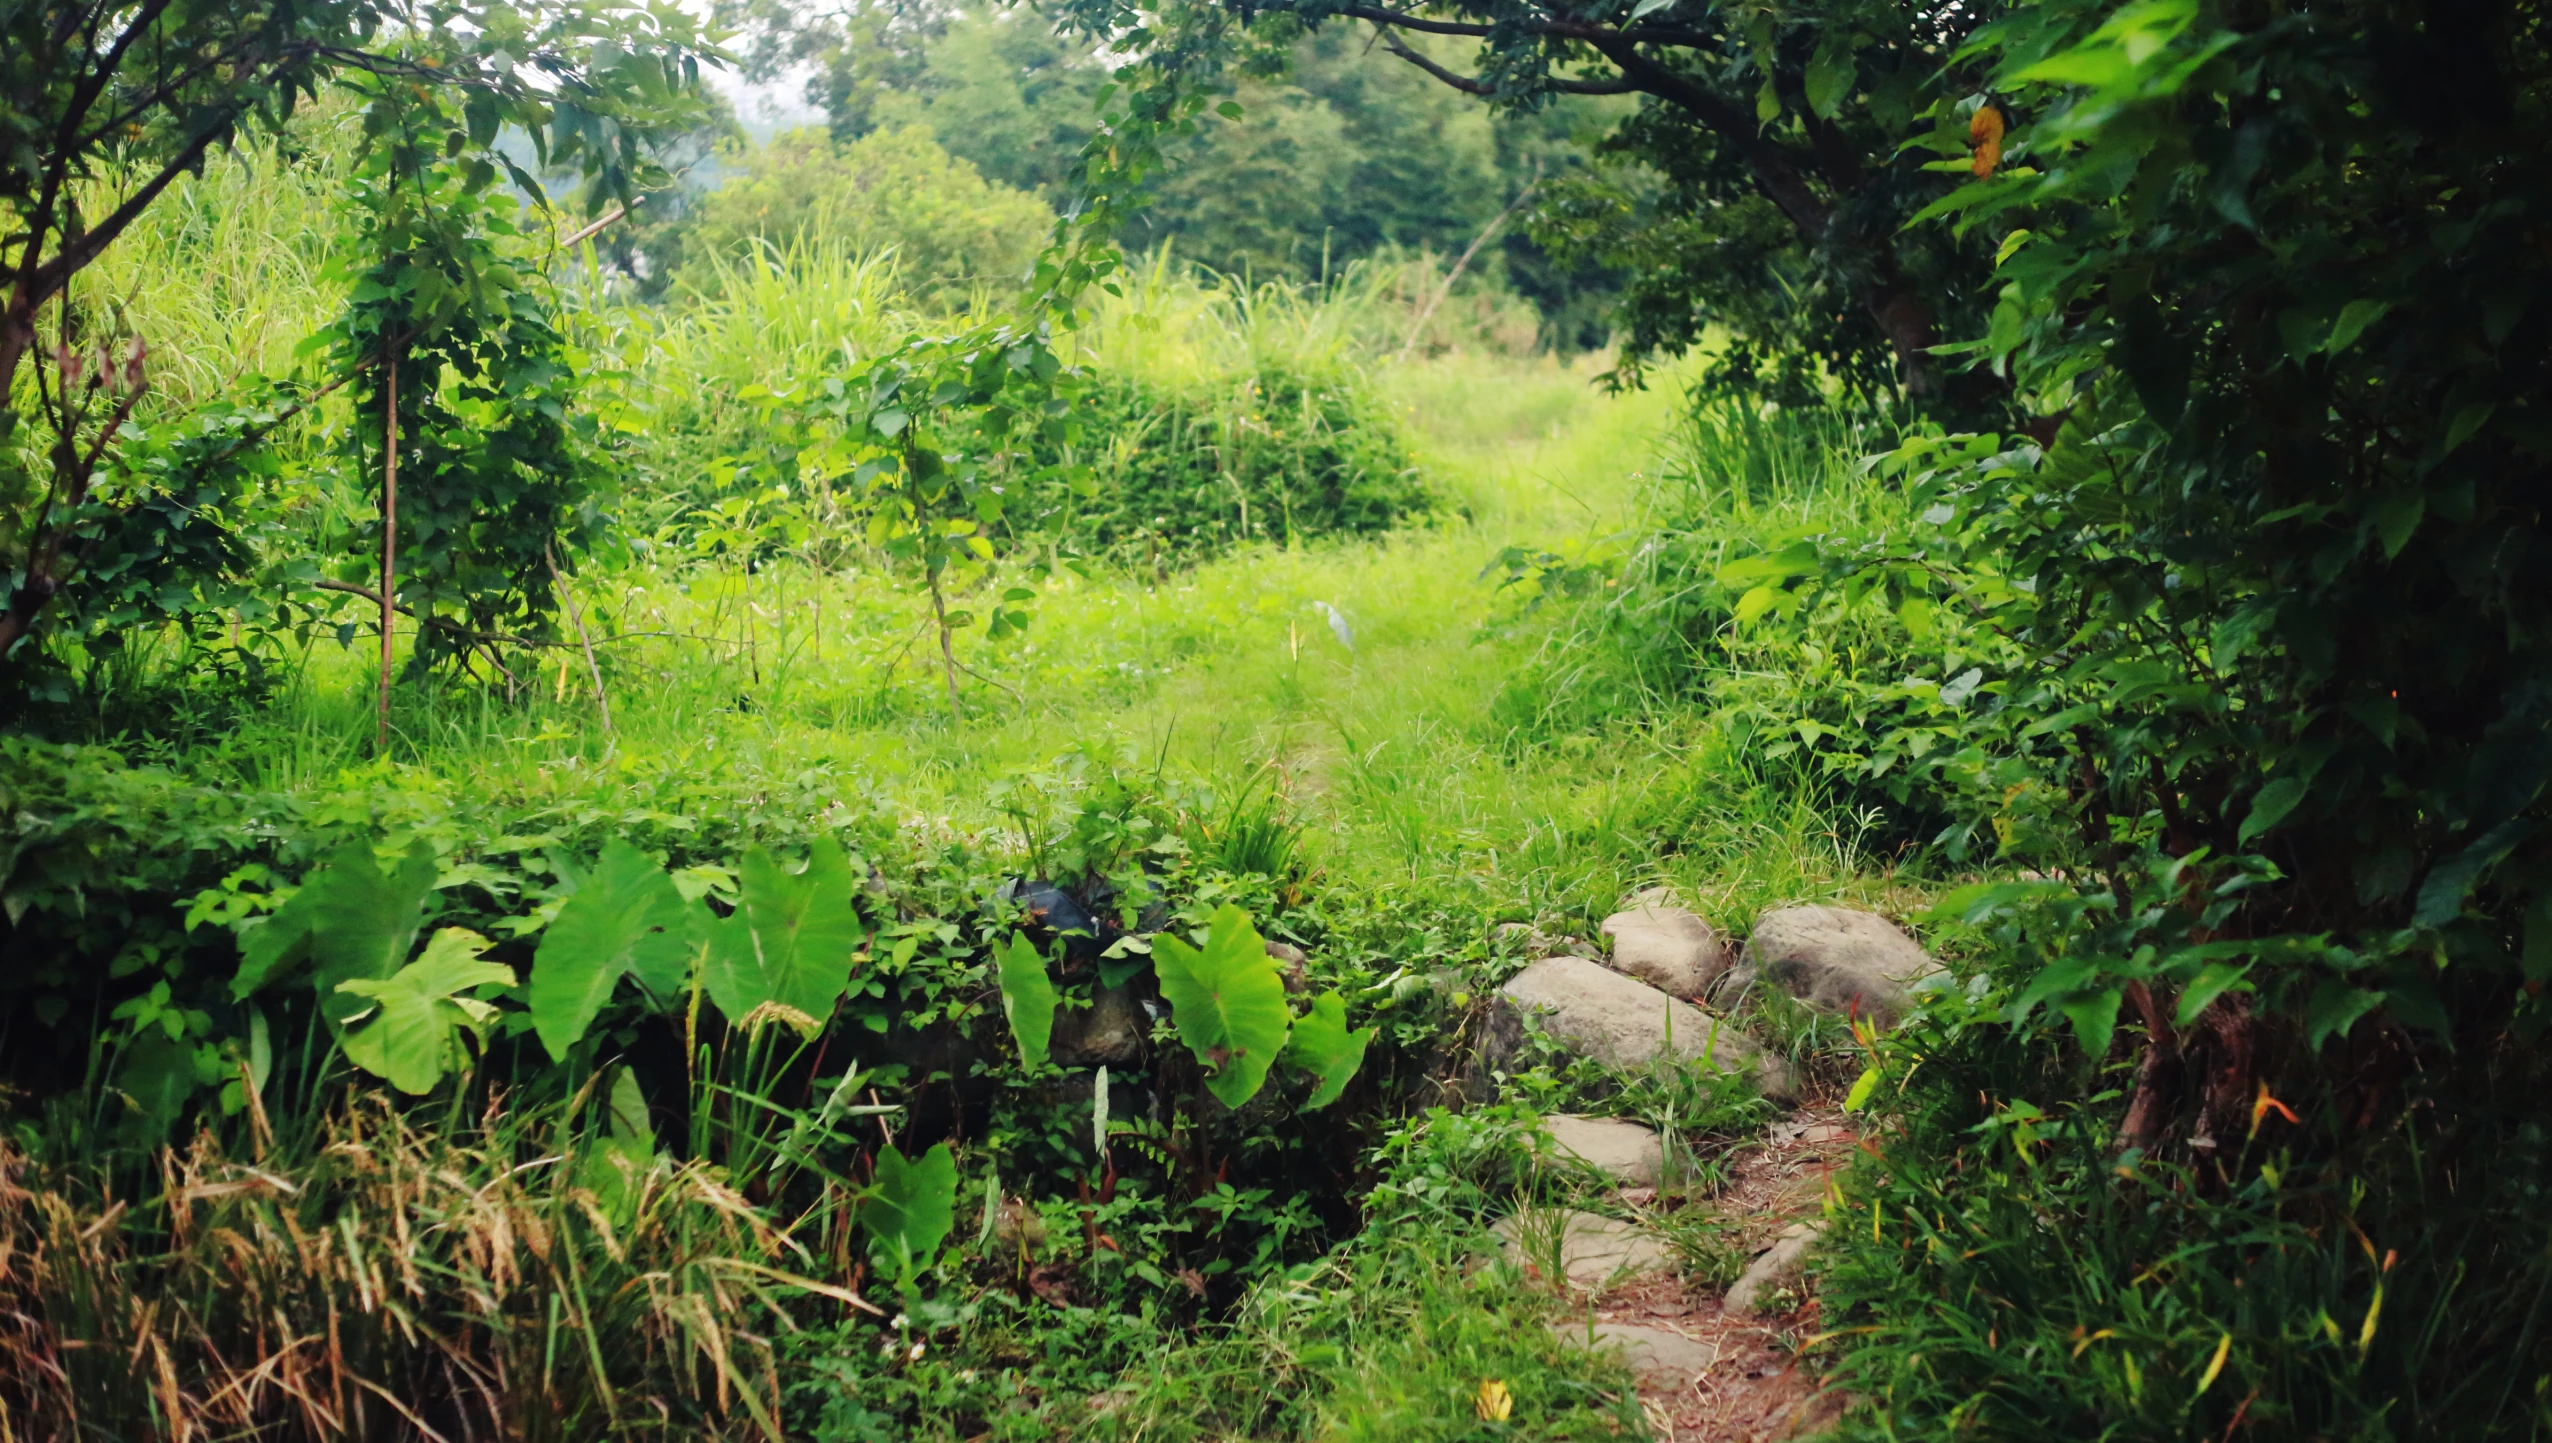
{"x":1626,"y":1152}
{"x":1625,"y":1023}
{"x":1835,"y":960}
{"x":1771,"y":1270}
{"x":1651,"y":1352}
{"x":1665,"y":946}
{"x":1594,"y":1251}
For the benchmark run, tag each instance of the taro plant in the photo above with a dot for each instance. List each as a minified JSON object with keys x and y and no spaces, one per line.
{"x":1229,"y":1006}
{"x":909,"y":1211}
{"x":411,"y":1033}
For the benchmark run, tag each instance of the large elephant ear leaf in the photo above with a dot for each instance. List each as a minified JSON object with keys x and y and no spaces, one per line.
{"x":1227,"y":1000}
{"x":1027,"y":999}
{"x":625,"y":918}
{"x":786,"y":952}
{"x":1322,"y":1046}
{"x":909,"y":1211}
{"x":349,"y":921}
{"x":407,"y":1028}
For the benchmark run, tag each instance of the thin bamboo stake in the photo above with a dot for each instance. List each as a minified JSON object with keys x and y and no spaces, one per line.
{"x":1427,"y":312}
{"x":585,"y":637}
{"x":947,"y":649}
{"x":389,"y":541}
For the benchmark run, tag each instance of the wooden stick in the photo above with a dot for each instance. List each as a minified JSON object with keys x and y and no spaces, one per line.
{"x":591,"y":666}
{"x":1427,"y":313}
{"x":588,"y":233}
{"x":389,"y":541}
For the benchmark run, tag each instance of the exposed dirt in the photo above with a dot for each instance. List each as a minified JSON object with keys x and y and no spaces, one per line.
{"x":1757,"y":1388}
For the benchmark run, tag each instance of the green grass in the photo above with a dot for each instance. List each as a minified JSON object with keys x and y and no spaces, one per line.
{"x":1391,"y":752}
{"x":1412,"y":789}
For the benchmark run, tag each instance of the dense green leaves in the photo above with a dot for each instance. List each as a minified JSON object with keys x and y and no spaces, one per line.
{"x":407,"y":1028}
{"x":785,"y":955}
{"x":624,"y":919}
{"x":85,"y":84}
{"x":349,"y":921}
{"x":1228,"y":1002}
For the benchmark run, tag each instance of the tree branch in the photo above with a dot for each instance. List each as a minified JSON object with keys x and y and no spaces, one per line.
{"x":1469,"y":86}
{"x":1555,"y":29}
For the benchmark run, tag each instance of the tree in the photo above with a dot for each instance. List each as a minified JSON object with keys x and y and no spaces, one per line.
{"x":2279,"y":276}
{"x":1792,"y":142}
{"x":1332,"y":157}
{"x":154,"y":85}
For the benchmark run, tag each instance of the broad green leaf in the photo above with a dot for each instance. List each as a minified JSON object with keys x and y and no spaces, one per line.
{"x":2353,"y":320}
{"x":1830,"y":75}
{"x":1227,"y":1000}
{"x":2271,"y":806}
{"x":2095,"y":1018}
{"x":1862,"y":1087}
{"x":2536,"y":959}
{"x":1755,"y":603}
{"x":2334,"y":1008}
{"x":786,"y":952}
{"x":624,"y":918}
{"x":2211,"y":982}
{"x":1322,"y":1046}
{"x":614,"y":1162}
{"x":2452,"y":880}
{"x":910,"y":1208}
{"x":1027,"y":999}
{"x":348,"y":921}
{"x":408,"y":1027}
{"x":629,"y":1109}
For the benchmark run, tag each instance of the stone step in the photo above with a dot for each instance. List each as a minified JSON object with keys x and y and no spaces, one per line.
{"x":1665,"y":946}
{"x":1834,"y":959}
{"x":1772,"y":1269}
{"x":1595,"y":1252}
{"x":1625,"y":1023}
{"x":1651,"y":1352}
{"x":1626,"y":1152}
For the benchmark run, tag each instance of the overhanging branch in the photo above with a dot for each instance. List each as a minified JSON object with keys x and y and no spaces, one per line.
{"x":1470,"y":86}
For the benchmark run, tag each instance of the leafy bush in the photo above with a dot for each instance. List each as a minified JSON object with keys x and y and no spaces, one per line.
{"x":952,"y":231}
{"x":1282,"y":455}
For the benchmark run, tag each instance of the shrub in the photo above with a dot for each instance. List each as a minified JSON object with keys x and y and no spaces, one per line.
{"x":1284,"y":454}
{"x":952,"y":231}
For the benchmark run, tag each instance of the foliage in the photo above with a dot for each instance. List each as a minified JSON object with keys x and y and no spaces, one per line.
{"x":909,"y":1211}
{"x":953,"y":232}
{"x":410,"y":1034}
{"x":1321,"y":1045}
{"x":348,"y":920}
{"x":1330,"y":159}
{"x":1227,"y":1001}
{"x":288,"y":1288}
{"x":624,"y":918}
{"x":785,"y":953}
{"x":155,"y":88}
{"x":1027,"y":1000}
{"x":455,"y":339}
{"x":1283,"y":455}
{"x":1789,"y":145}
{"x":2007,"y":1267}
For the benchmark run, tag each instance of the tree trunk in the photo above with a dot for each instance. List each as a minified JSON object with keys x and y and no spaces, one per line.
{"x":2157,"y":1091}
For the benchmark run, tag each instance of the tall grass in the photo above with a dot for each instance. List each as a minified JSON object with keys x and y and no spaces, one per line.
{"x":384,"y":1275}
{"x":225,"y":275}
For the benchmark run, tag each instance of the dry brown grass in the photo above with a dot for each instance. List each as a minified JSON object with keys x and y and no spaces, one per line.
{"x":398,"y":1282}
